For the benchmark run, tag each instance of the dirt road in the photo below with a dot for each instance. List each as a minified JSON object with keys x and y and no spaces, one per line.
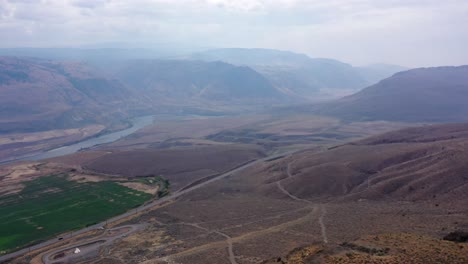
{"x":322,"y":206}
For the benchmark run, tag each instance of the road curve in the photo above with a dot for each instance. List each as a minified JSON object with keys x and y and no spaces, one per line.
{"x":323,"y":228}
{"x":105,"y":240}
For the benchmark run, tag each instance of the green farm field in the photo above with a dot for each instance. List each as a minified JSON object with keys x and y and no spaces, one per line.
{"x":51,"y":205}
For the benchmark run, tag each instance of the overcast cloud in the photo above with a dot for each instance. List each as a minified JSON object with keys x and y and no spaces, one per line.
{"x":410,"y":33}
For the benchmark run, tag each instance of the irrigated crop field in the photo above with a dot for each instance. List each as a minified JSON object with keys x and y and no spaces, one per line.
{"x":53,"y":204}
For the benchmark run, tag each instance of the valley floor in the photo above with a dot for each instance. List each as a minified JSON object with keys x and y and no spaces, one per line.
{"x":257,"y":214}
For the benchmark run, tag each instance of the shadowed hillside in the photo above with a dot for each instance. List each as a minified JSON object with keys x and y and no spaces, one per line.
{"x":426,"y":95}
{"x":40,"y":95}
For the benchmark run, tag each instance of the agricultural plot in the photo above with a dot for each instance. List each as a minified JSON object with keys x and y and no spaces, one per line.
{"x":53,"y":204}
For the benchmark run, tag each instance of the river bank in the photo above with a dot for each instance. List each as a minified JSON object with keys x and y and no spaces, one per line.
{"x":136,"y":124}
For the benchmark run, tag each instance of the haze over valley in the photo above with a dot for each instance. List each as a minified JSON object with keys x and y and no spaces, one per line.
{"x":233,"y":132}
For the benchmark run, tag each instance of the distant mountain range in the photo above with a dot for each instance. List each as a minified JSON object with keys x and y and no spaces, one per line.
{"x":299,"y":75}
{"x":41,"y":94}
{"x":293,"y":74}
{"x":421,"y":95}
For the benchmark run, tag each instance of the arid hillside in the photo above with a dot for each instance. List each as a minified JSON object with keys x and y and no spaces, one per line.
{"x":423,"y":163}
{"x":381,"y":249}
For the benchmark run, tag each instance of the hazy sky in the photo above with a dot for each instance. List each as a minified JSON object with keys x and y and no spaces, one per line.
{"x":406,"y":32}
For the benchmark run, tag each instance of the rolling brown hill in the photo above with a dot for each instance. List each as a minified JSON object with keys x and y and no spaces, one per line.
{"x":422,"y":95}
{"x":421,"y":163}
{"x":39,"y":95}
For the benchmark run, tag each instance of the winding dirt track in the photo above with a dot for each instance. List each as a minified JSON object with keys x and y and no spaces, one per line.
{"x":322,"y":224}
{"x":323,"y":211}
{"x":232,"y":257}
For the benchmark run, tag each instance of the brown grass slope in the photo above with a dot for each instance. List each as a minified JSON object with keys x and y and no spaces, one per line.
{"x":179,"y":165}
{"x":381,"y":249}
{"x":411,"y":164}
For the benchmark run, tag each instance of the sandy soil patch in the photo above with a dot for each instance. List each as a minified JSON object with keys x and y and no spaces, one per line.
{"x":11,"y":189}
{"x":38,"y":136}
{"x":86,"y":178}
{"x":141,"y":187}
{"x":17,"y":171}
{"x":14,"y":146}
